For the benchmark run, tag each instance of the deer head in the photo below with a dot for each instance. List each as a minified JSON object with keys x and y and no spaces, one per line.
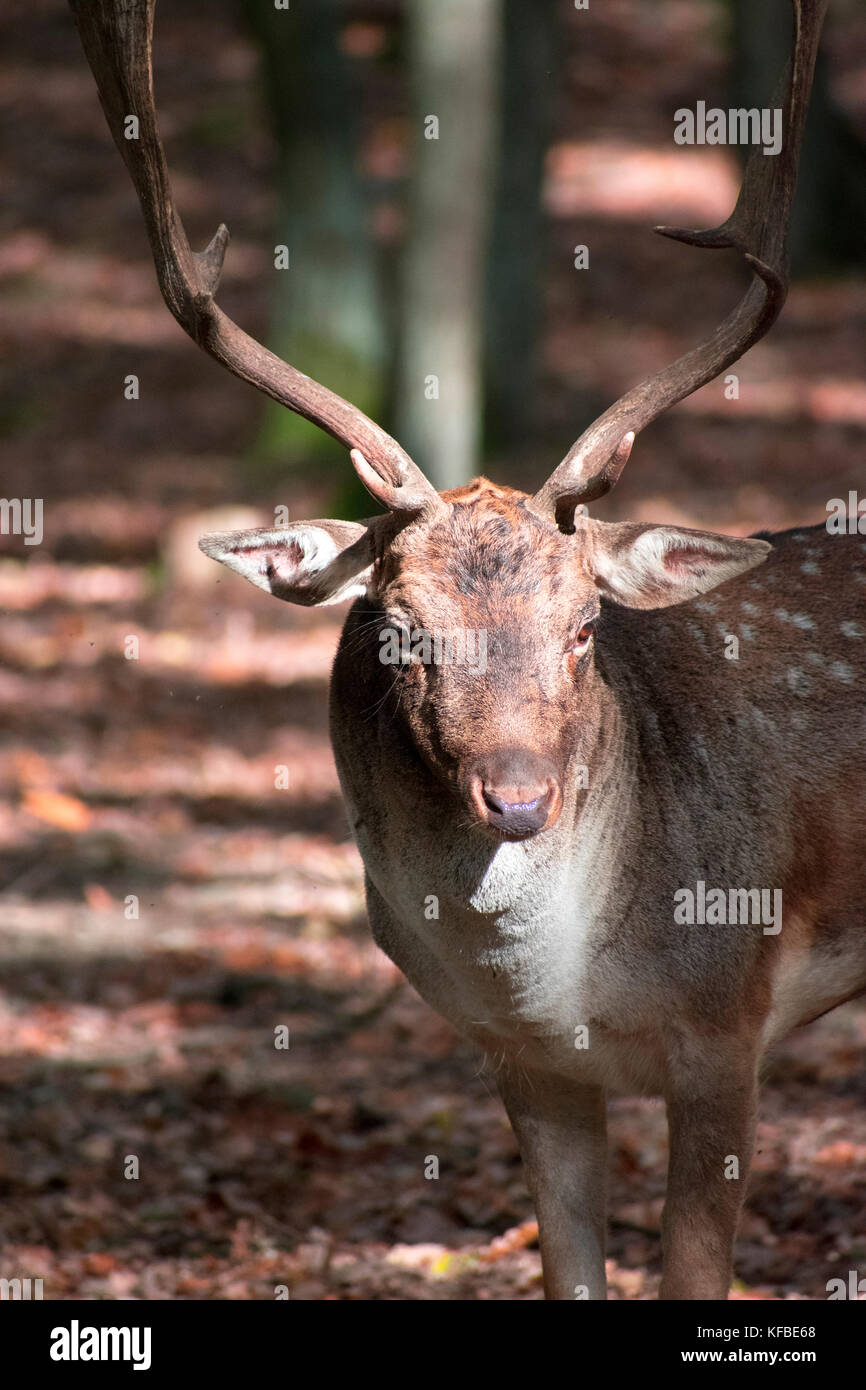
{"x":529,"y":572}
{"x":481,"y":617}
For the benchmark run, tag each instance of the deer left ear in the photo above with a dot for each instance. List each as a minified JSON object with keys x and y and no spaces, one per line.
{"x":312,"y":563}
{"x":656,"y":566}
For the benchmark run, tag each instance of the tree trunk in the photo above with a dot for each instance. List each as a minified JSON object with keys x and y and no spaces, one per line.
{"x":454,"y":65}
{"x":827,"y":230}
{"x":326,"y":316}
{"x":513,"y":289}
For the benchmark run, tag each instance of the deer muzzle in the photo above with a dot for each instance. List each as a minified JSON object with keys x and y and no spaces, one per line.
{"x":515,"y":793}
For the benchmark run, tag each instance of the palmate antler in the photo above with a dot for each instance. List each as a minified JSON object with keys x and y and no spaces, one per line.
{"x":117,"y":37}
{"x":758,"y":227}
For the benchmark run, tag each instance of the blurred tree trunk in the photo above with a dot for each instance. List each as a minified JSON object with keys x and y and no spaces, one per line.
{"x":326,"y":318}
{"x":454,"y":68}
{"x":513,"y":290}
{"x":829,"y":223}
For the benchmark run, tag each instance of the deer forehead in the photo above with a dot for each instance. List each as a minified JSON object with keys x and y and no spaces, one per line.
{"x":486,"y":550}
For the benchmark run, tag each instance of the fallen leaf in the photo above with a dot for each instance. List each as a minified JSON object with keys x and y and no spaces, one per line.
{"x":54,"y":808}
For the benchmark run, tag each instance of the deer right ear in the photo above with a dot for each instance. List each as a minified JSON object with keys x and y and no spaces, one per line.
{"x":311,"y":562}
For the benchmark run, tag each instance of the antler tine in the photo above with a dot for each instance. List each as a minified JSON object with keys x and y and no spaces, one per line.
{"x":117,"y":37}
{"x":757,"y":227}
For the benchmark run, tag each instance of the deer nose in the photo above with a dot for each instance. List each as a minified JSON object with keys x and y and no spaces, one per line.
{"x":515,"y":792}
{"x":517,"y":813}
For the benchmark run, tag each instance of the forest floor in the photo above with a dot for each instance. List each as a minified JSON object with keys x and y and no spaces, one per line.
{"x":164,"y":907}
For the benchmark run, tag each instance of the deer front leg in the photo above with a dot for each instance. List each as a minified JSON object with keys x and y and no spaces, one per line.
{"x":562,"y":1135}
{"x":711,"y":1105}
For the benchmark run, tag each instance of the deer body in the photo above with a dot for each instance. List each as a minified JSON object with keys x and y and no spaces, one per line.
{"x":728,"y":772}
{"x":528,"y":824}
{"x":691,"y":760}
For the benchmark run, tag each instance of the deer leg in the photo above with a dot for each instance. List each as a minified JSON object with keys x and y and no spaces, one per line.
{"x":711,"y":1108}
{"x":563,"y":1143}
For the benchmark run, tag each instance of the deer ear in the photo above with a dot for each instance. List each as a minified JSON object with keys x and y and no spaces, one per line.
{"x":311,"y":563}
{"x":656,"y":566}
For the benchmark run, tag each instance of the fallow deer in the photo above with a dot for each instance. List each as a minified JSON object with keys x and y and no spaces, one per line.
{"x":555,"y":802}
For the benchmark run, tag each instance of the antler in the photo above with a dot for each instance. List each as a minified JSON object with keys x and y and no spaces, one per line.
{"x":117,"y":37}
{"x":757,"y":227}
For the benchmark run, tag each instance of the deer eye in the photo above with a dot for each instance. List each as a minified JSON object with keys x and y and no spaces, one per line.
{"x":405,"y":635}
{"x":582,"y":640}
